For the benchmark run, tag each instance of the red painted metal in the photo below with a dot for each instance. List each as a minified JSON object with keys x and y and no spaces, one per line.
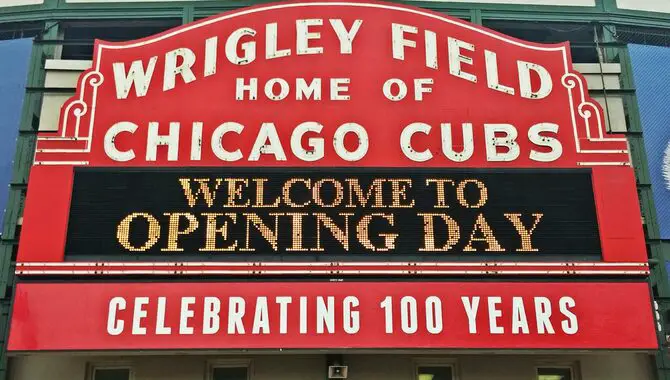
{"x":210,"y":99}
{"x":582,"y":316}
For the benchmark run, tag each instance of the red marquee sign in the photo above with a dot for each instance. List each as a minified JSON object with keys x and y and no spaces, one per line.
{"x":337,"y":140}
{"x":360,"y":86}
{"x":290,"y":315}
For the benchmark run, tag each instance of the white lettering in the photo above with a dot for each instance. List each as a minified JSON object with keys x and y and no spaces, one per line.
{"x":185,"y":315}
{"x":184,"y":69}
{"x":136,"y":76}
{"x":249,"y":48}
{"x":536,"y":137}
{"x":519,"y":320}
{"x":211,"y":320}
{"x":271,"y":35}
{"x":325,"y":315}
{"x":525,"y":88}
{"x":398,"y":39}
{"x":139,"y":313}
{"x":241,"y":87}
{"x":283,"y":313}
{"x":114,"y":325}
{"x":419,"y":88}
{"x":317,"y":151}
{"x":508,"y":141}
{"x":345,"y":36}
{"x":448,"y":145}
{"x":542,"y":315}
{"x":261,"y":319}
{"x":408,"y":315}
{"x":388,"y":89}
{"x":196,"y":141}
{"x":303,"y":315}
{"x":434,"y":315}
{"x":267,"y":142}
{"x":430,"y":39}
{"x":569,"y":326}
{"x":211,"y":45}
{"x":338,"y":88}
{"x":171,"y":140}
{"x":236,"y":306}
{"x":303,"y":35}
{"x":363,"y":142}
{"x":456,"y":58}
{"x":471,"y":311}
{"x":492,"y":79}
{"x":161,"y":329}
{"x":494,"y":314}
{"x":406,"y":142}
{"x":305,"y":91}
{"x":217,"y":141}
{"x":387,"y":305}
{"x":283,"y":89}
{"x":110,"y":141}
{"x":351,"y":317}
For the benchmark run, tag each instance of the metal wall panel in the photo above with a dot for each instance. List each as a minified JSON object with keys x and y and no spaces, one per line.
{"x":14,"y":68}
{"x":653,"y":94}
{"x":645,"y":5}
{"x":12,"y":3}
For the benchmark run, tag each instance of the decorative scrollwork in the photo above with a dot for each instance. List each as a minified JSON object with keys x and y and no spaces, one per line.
{"x":590,"y":133}
{"x":570,"y":81}
{"x":79,"y":108}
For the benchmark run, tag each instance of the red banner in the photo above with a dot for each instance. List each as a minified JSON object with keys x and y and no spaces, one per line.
{"x":505,"y":315}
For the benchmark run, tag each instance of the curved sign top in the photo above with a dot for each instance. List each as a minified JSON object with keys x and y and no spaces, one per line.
{"x":332,"y":84}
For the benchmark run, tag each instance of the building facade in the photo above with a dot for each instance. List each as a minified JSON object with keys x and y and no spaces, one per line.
{"x":303,"y":190}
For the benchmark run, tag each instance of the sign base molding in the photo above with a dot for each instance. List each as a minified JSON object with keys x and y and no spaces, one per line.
{"x":332,"y":268}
